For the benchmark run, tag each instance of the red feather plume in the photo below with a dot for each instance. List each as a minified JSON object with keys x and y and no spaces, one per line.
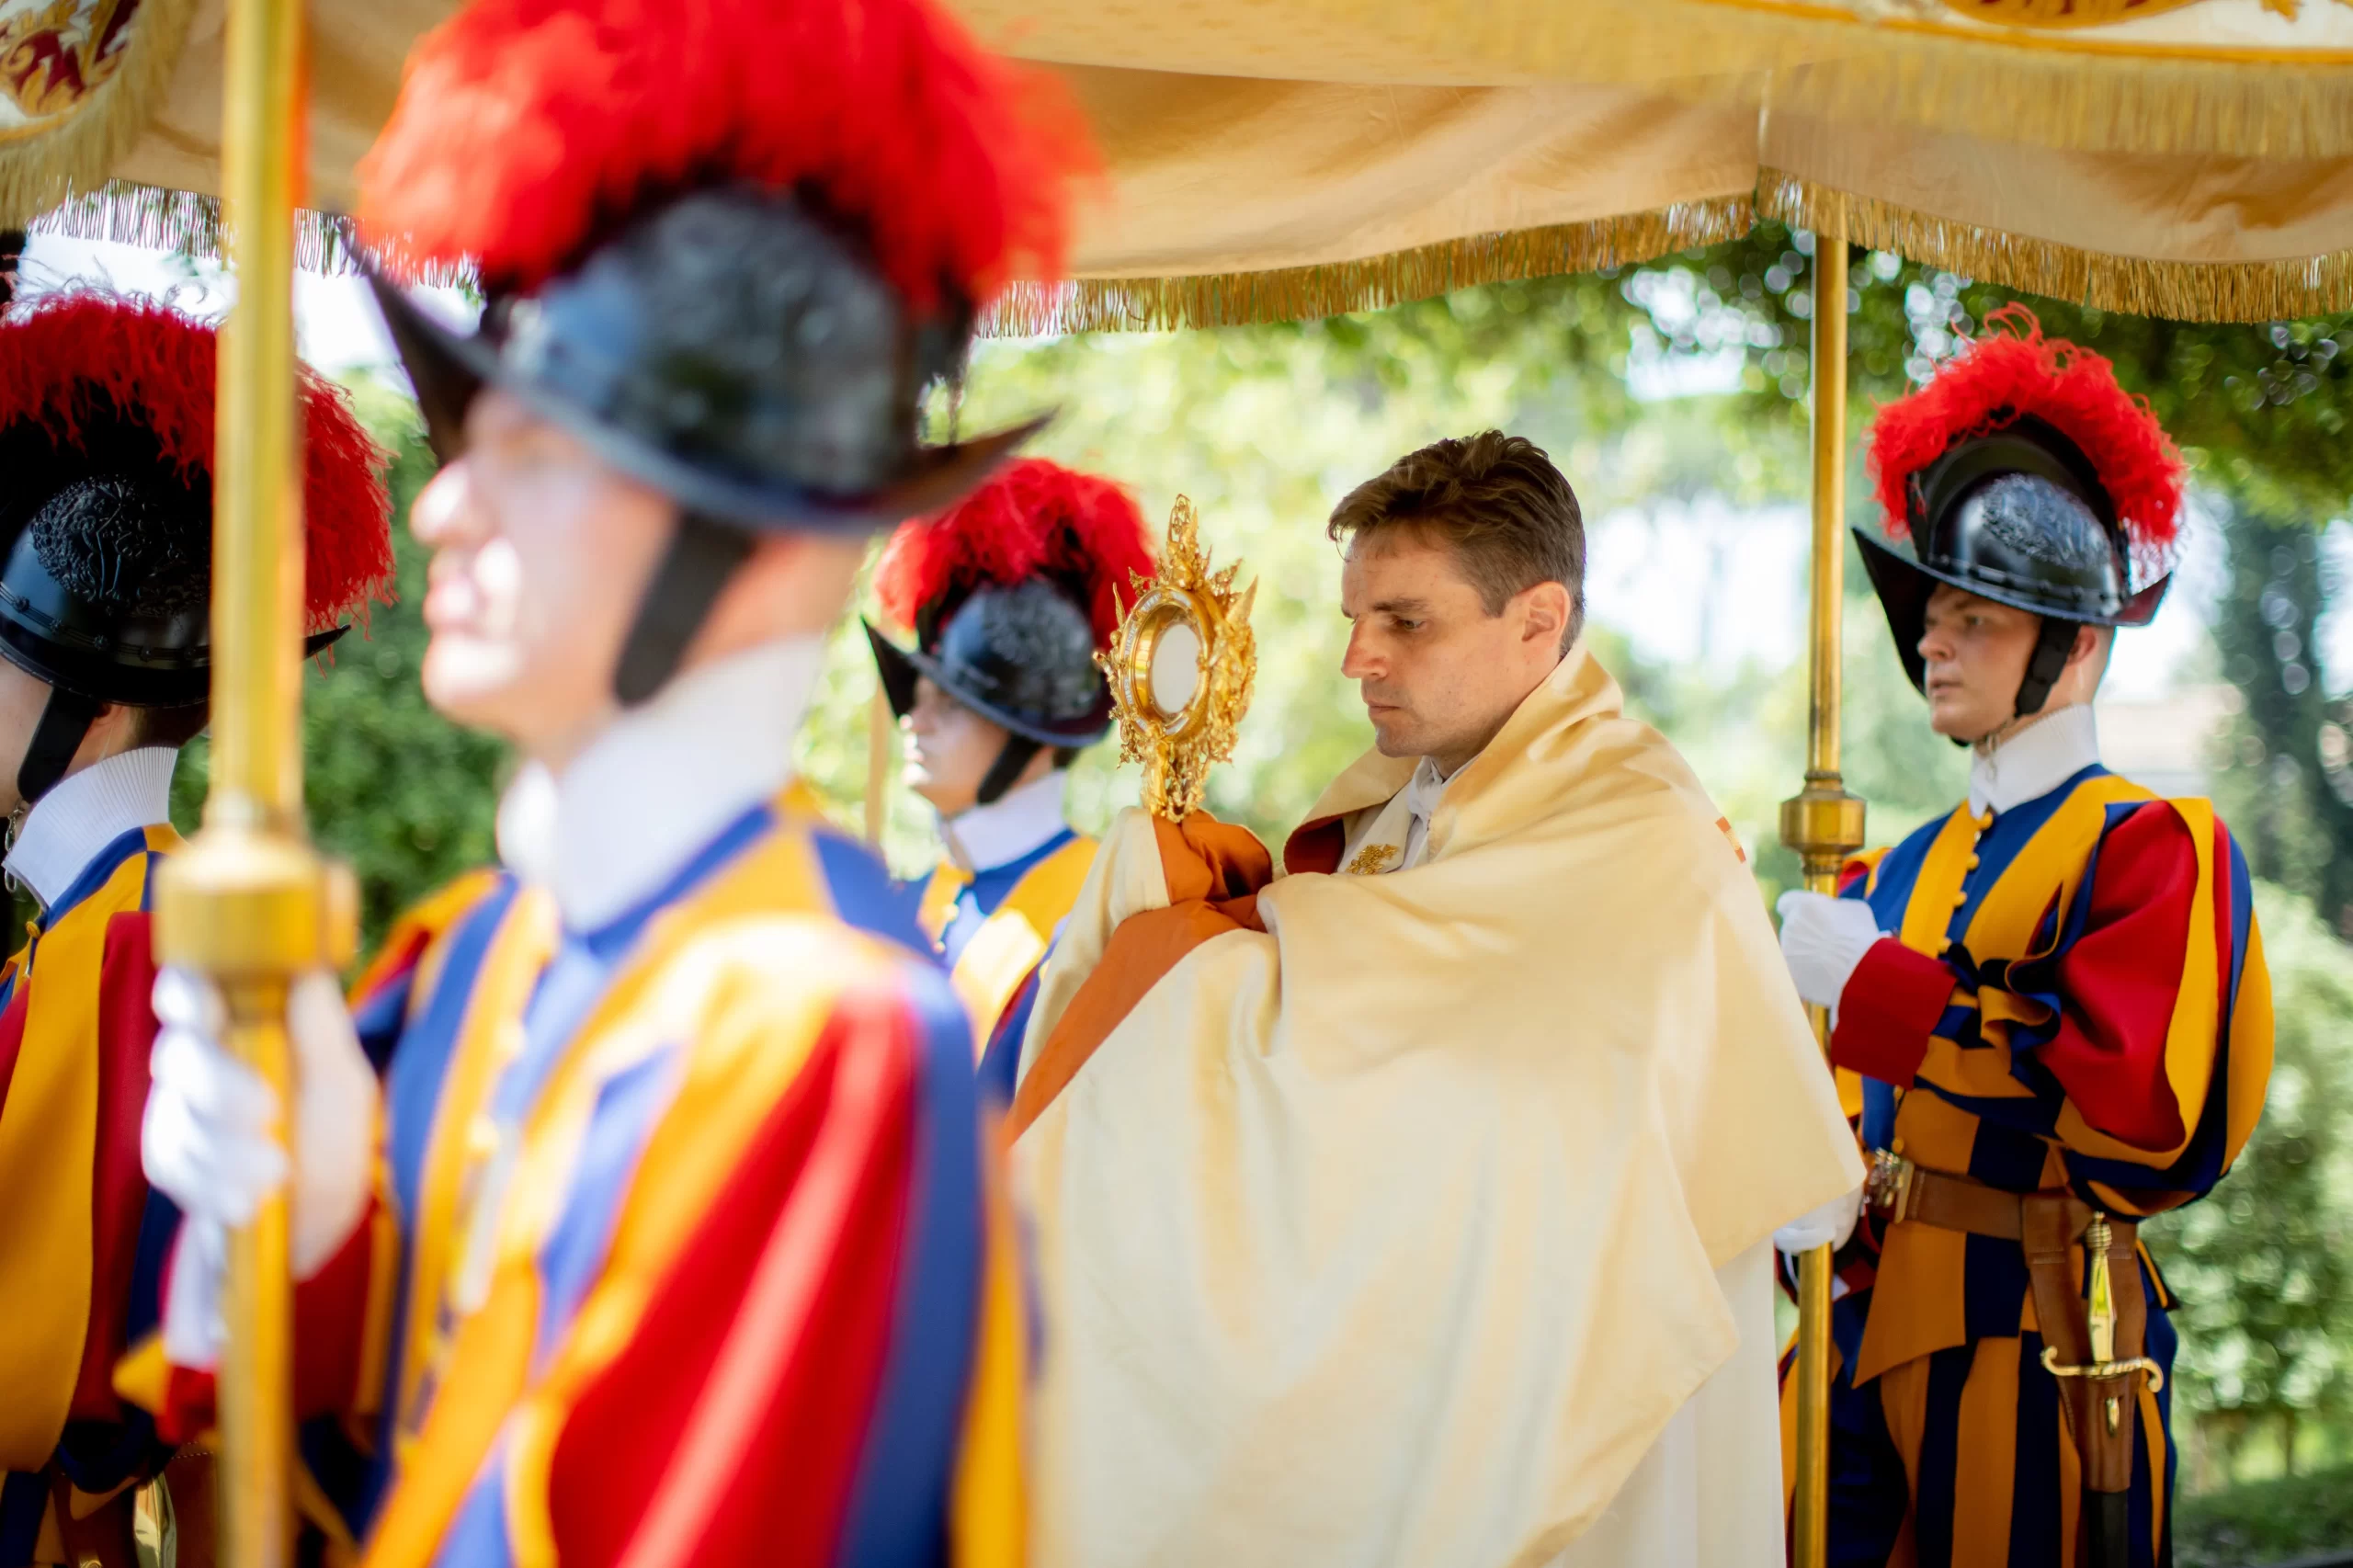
{"x":63,"y":352}
{"x":524,"y":126}
{"x":1034,"y":518}
{"x":2005,"y":374}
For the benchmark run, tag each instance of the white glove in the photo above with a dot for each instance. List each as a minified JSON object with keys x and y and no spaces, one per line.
{"x":208,"y":1141}
{"x":1822,"y":938}
{"x":1829,"y":1225}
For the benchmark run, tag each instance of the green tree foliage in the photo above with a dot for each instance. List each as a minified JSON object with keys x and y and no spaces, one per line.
{"x":2292,"y":1519}
{"x":2283,"y":776}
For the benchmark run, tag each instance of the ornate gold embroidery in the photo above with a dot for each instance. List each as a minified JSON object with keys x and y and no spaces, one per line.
{"x":1371,"y":859}
{"x":52,"y":57}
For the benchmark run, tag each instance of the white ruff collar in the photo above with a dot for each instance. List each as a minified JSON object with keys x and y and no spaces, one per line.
{"x":85,"y":811}
{"x":660,"y":781}
{"x":2035,"y":761}
{"x":1015,"y":824}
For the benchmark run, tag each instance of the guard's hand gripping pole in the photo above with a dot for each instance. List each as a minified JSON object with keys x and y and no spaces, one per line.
{"x":251,"y":909}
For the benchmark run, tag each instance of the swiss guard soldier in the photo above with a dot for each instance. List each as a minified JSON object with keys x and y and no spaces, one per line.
{"x":105,"y":508}
{"x":688,"y":1254}
{"x":2055,"y":997}
{"x":1010,"y":596}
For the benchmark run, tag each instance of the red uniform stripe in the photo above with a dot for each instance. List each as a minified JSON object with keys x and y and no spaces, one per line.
{"x":733,"y":1434}
{"x":2121,"y":978}
{"x":126,"y":982}
{"x":1890,"y":1005}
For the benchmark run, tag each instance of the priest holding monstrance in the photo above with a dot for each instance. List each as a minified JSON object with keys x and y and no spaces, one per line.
{"x":1413,"y":1204}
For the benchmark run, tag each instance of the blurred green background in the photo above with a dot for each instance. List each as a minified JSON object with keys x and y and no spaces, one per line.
{"x":1673,"y":394}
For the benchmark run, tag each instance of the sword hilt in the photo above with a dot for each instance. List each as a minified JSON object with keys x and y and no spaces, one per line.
{"x":2100,"y":1371}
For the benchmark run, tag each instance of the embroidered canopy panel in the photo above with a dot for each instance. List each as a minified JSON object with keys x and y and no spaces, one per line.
{"x":1272,"y":159}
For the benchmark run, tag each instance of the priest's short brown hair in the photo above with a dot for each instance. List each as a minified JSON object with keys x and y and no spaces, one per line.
{"x":1497,"y":500}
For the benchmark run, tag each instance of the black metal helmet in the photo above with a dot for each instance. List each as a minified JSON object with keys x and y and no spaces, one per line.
{"x":1990,"y":469}
{"x":106,"y":506}
{"x":1011,"y":595}
{"x":1022,"y":657}
{"x":733,"y":281}
{"x":730,"y":350}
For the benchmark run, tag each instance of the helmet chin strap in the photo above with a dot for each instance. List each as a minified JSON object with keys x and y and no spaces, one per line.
{"x":65,"y":718}
{"x":2053,"y":641}
{"x":699,"y":563}
{"x":1006,"y":769}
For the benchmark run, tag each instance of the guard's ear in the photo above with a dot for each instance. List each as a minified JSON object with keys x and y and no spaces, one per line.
{"x":114,"y":728}
{"x":2091,"y":643}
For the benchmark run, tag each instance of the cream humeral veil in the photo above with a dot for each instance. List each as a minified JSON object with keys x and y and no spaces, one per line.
{"x":1407,"y":1232}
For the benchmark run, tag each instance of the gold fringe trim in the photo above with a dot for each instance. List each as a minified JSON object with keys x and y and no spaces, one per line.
{"x":38,"y":170}
{"x":1301,"y":294}
{"x":2178,"y":290}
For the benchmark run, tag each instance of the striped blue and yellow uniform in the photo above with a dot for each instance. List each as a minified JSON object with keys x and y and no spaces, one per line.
{"x":689,"y":1250}
{"x":2075,"y":998}
{"x":83,"y":1238}
{"x":994,"y":929}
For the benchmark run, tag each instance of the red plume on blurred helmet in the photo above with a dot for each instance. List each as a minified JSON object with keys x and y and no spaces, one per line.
{"x":65,"y":356}
{"x":526,"y":130}
{"x":2006,"y":374}
{"x":1033,"y":518}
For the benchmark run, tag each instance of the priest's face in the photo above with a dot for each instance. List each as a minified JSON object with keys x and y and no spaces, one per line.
{"x":1440,"y":672}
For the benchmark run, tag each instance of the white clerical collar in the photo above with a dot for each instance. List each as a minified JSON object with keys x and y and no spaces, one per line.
{"x":2035,"y":761}
{"x":85,"y":811}
{"x":1423,"y":789}
{"x":660,"y":782}
{"x":1020,"y":822}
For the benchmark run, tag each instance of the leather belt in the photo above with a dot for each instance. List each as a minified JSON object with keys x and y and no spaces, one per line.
{"x":2093,"y":1333}
{"x":1899,"y":1189}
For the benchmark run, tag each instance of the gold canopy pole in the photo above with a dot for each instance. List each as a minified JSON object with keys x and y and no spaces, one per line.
{"x":247,"y":904}
{"x":1823,"y":824}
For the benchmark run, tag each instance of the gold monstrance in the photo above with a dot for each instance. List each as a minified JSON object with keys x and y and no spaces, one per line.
{"x":1180,"y":668}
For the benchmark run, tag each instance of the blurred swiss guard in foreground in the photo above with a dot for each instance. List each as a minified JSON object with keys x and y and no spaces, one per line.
{"x":1010,"y":596}
{"x":2055,"y":998}
{"x":1414,"y":1208}
{"x":105,"y":515}
{"x":685,"y":1252}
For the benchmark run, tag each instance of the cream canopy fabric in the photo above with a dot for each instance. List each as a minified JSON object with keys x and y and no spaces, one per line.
{"x":1281,"y":158}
